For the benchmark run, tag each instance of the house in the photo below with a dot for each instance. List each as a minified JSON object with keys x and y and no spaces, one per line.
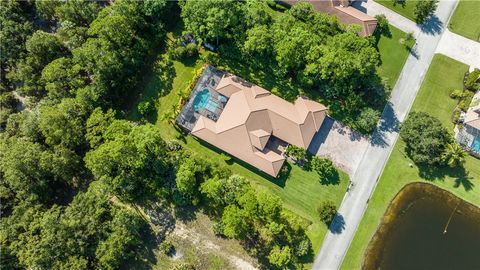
{"x":344,"y":12}
{"x":469,"y":134}
{"x":248,"y":121}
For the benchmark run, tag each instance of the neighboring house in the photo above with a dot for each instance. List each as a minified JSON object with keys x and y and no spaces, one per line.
{"x":248,"y":121}
{"x":469,"y":134}
{"x":344,"y":12}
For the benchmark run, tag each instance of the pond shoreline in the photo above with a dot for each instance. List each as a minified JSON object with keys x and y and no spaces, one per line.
{"x":399,"y":206}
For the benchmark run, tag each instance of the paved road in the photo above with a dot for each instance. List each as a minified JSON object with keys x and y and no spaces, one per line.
{"x":342,"y":230}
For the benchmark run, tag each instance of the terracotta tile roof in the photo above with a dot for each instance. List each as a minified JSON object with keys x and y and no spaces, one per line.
{"x":252,"y":116}
{"x":344,"y":12}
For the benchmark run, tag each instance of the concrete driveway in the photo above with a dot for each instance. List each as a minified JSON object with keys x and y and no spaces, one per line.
{"x":344,"y":146}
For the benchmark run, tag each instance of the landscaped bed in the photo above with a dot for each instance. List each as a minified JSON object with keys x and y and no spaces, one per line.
{"x":443,"y":76}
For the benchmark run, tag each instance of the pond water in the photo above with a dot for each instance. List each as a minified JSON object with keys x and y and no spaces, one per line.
{"x":426,"y":227}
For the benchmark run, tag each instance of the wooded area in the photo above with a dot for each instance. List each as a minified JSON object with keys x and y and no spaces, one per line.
{"x":74,"y":172}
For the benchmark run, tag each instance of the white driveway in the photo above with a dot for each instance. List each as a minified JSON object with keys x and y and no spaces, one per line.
{"x":354,"y":204}
{"x":344,"y":146}
{"x":460,"y":48}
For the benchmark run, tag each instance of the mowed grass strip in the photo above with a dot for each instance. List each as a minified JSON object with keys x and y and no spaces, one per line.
{"x":404,"y":8}
{"x":393,"y":54}
{"x":466,"y":19}
{"x":443,"y":76}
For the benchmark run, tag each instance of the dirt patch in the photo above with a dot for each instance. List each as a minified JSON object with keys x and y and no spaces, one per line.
{"x":196,"y":234}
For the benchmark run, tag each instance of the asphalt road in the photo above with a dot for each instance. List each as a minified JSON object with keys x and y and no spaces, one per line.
{"x":354,"y":204}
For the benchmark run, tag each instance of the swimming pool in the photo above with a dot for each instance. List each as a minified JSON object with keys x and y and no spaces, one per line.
{"x":202,"y":100}
{"x":476,"y":145}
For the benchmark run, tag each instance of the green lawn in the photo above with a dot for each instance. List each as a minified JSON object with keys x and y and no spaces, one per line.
{"x":443,"y":75}
{"x":465,"y":21}
{"x":393,"y":54}
{"x":301,"y":192}
{"x":405,"y":9}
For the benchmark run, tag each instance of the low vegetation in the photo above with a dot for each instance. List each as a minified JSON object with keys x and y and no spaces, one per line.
{"x":463,"y":180}
{"x":418,"y":11}
{"x":327,"y":211}
{"x":465,"y":20}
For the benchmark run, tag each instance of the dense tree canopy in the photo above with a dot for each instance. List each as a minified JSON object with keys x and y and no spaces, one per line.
{"x":132,"y":164}
{"x":426,"y":138}
{"x":300,"y":45}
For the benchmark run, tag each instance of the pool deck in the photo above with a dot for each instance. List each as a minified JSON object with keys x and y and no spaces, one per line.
{"x":208,"y":80}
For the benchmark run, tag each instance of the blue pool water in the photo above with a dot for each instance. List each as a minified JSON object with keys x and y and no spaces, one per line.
{"x":202,"y":100}
{"x":476,"y":145}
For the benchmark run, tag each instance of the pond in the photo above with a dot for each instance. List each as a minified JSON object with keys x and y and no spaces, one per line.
{"x":426,"y":227}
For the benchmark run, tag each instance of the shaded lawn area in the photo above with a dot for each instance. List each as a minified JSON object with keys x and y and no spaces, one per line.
{"x":301,"y":192}
{"x":465,"y":21}
{"x":404,"y":8}
{"x":393,"y":54}
{"x":443,"y":75}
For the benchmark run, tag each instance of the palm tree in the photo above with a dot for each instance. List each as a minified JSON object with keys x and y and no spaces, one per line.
{"x":171,"y":114}
{"x":454,"y":155}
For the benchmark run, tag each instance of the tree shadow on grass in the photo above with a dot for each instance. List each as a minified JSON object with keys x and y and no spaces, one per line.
{"x":333,"y":179}
{"x":459,"y":174}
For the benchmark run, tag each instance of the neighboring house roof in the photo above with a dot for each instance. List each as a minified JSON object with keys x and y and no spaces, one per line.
{"x":472,"y":117}
{"x":253,"y":119}
{"x":344,"y":12}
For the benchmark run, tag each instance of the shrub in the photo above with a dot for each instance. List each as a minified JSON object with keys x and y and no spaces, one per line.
{"x":218,"y":228}
{"x":303,"y":248}
{"x":324,"y":167}
{"x":184,"y":266}
{"x":178,"y":52}
{"x":382,"y":24}
{"x":465,"y":101}
{"x":327,"y":211}
{"x":296,"y":152}
{"x":457,"y":94}
{"x":280,"y":257}
{"x":166,"y":247}
{"x":191,"y":50}
{"x":145,"y":108}
{"x":456,"y":116}
{"x":367,"y":120}
{"x":472,"y":81}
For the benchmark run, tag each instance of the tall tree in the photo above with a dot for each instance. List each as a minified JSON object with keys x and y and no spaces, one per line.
{"x":42,"y":48}
{"x":426,"y":138}
{"x":423,"y":9}
{"x":211,"y":20}
{"x":133,"y":166}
